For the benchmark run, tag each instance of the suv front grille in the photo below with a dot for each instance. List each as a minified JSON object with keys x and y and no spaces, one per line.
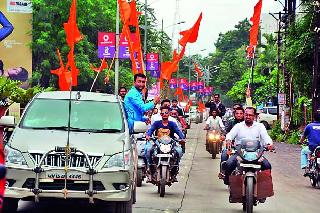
{"x":59,"y":160}
{"x":59,"y":185}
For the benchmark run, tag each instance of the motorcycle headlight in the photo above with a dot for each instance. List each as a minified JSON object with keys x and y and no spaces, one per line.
{"x":250,"y":156}
{"x":14,"y":156}
{"x":119,"y":160}
{"x":165,"y":148}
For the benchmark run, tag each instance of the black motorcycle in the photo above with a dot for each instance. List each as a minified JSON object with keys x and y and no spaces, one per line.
{"x":314,"y":167}
{"x":248,"y":184}
{"x":164,"y":167}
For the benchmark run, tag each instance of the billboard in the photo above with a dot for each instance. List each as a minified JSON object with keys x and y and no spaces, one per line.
{"x":15,"y":53}
{"x":106,"y":45}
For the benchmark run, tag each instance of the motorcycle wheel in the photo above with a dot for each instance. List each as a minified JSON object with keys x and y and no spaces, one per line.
{"x":139,"y":178}
{"x":213,"y":150}
{"x":249,"y":195}
{"x":163,"y":181}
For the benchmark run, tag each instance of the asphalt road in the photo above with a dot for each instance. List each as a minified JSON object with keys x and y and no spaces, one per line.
{"x":200,"y":190}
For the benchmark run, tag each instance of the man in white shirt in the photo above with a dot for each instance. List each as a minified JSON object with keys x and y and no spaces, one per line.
{"x":158,"y":117}
{"x":214,"y":122}
{"x":248,"y":129}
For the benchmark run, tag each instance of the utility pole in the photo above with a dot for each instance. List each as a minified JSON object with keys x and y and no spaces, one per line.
{"x":145,"y":30}
{"x":116,"y":62}
{"x":316,"y":78}
{"x":278,"y":62}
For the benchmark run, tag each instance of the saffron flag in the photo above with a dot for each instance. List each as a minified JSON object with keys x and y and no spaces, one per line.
{"x":191,"y":35}
{"x":72,"y":32}
{"x":103,"y":66}
{"x":255,"y":24}
{"x":197,"y":69}
{"x":179,"y":93}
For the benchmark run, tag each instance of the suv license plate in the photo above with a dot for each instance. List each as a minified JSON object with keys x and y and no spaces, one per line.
{"x":61,"y":175}
{"x":164,"y":155}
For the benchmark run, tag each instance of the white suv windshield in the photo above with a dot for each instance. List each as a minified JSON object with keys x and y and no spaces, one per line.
{"x":85,"y":115}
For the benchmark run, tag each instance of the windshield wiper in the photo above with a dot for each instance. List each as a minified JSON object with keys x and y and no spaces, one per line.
{"x":106,"y":130}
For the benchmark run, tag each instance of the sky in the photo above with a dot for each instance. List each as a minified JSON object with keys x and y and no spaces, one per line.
{"x":218,"y":16}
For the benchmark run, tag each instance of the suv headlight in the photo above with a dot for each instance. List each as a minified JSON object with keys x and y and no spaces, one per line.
{"x":119,"y":160}
{"x":14,"y":156}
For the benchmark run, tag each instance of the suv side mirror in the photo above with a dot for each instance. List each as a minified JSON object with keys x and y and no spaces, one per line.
{"x":140,"y":127}
{"x":7,"y":121}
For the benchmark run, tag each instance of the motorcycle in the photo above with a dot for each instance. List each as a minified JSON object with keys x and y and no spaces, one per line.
{"x":213,"y":142}
{"x":248,"y":184}
{"x":314,"y":167}
{"x":142,"y":165}
{"x":164,"y":165}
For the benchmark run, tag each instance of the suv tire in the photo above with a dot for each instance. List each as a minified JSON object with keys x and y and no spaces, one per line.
{"x":10,"y":205}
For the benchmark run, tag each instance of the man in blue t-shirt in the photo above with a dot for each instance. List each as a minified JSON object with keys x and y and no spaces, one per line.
{"x":312,"y":132}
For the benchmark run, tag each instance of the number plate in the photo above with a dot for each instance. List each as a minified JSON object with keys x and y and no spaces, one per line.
{"x":59,"y":175}
{"x":318,"y":160}
{"x":164,"y":155}
{"x":250,"y":165}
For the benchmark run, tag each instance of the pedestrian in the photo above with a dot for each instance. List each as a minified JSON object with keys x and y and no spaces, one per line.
{"x":133,"y":102}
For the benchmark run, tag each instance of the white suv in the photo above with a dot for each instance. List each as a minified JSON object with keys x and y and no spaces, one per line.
{"x":98,"y":164}
{"x":268,"y":116}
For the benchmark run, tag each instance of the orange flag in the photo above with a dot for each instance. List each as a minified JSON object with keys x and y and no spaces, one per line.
{"x":103,"y":66}
{"x":191,"y":35}
{"x":125,"y":11}
{"x":72,"y":32}
{"x":197,"y":69}
{"x":179,"y":93}
{"x":201,"y":106}
{"x":255,"y":24}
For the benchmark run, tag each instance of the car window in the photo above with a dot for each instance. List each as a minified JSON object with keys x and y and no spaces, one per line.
{"x":92,"y":115}
{"x":265,"y":110}
{"x":273,"y":111}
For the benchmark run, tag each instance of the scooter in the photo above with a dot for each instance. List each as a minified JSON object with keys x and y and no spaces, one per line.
{"x":314,"y":167}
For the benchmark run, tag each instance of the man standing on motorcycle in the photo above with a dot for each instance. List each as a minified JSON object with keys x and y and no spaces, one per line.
{"x":312,"y":132}
{"x":215,"y":103}
{"x":249,"y":128}
{"x":161,"y":127}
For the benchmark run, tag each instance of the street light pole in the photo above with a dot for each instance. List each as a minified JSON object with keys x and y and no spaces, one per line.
{"x":116,"y":62}
{"x":145,"y":29}
{"x":278,"y":62}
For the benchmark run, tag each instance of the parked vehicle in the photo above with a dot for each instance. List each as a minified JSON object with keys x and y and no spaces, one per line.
{"x":314,"y":167}
{"x":248,"y":184}
{"x":92,"y":158}
{"x":194,"y":115}
{"x":164,"y":163}
{"x":213,"y":142}
{"x":267,"y":116}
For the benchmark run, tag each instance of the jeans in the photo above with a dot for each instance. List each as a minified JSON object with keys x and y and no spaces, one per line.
{"x":148,"y":147}
{"x":232,"y":162}
{"x":305,"y":151}
{"x":224,"y":156}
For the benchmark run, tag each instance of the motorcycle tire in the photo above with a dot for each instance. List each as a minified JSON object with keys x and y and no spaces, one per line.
{"x":249,"y":195}
{"x":213,"y":151}
{"x":139,"y":178}
{"x":163,"y":181}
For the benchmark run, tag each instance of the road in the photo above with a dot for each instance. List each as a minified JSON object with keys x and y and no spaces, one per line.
{"x":200,"y":190}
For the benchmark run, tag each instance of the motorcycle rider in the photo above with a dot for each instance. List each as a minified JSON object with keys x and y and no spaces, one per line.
{"x":158,"y":117}
{"x":312,"y":132}
{"x":159,"y":127}
{"x":249,"y":128}
{"x":215,"y":103}
{"x":174,"y":105}
{"x":134,"y":104}
{"x":214,"y":122}
{"x":238,"y":116}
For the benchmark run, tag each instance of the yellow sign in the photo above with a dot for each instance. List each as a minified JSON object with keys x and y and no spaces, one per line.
{"x":15,"y":51}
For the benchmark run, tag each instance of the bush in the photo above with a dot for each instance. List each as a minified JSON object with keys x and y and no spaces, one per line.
{"x":276,"y":132}
{"x":294,"y":137}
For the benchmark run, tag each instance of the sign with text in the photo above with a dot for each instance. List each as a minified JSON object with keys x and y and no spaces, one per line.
{"x":281,"y":98}
{"x":173,"y":83}
{"x":106,"y":45}
{"x":183,"y":83}
{"x":152,"y":61}
{"x":193,"y":86}
{"x":124,"y":52}
{"x":200,"y":85}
